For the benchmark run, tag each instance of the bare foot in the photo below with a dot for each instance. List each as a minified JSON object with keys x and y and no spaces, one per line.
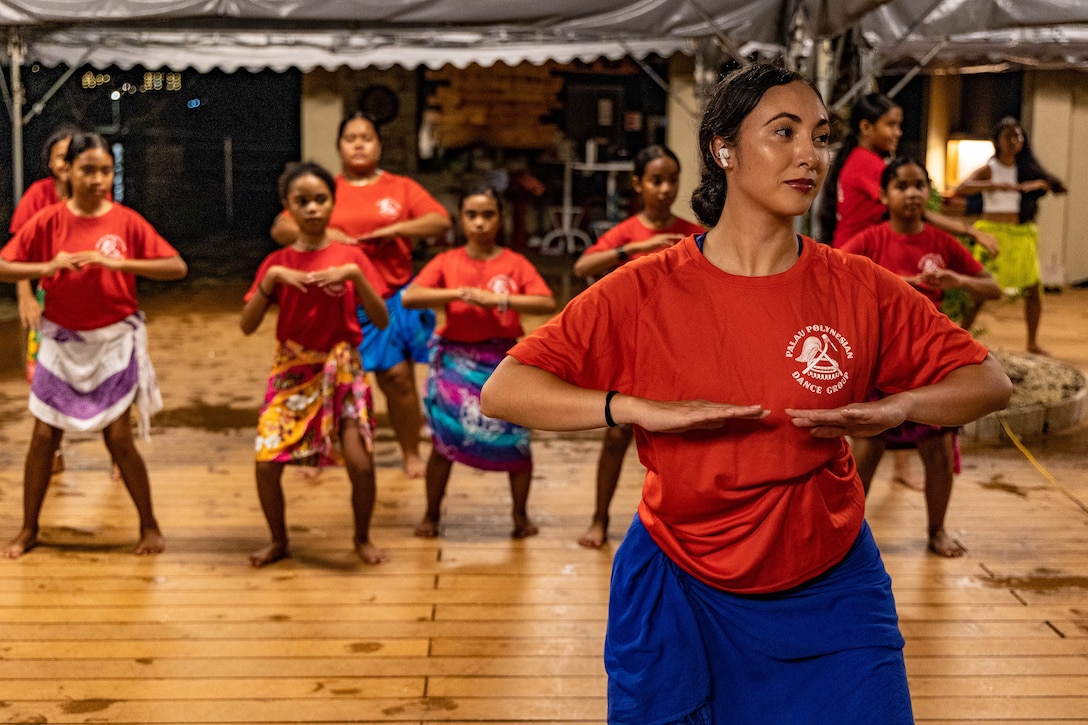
{"x":151,"y":542}
{"x":524,"y":528}
{"x":414,"y":467}
{"x":307,"y":473}
{"x":24,"y":542}
{"x":1036,"y":350}
{"x":940,"y":542}
{"x":427,"y":529}
{"x":369,"y":553}
{"x":269,"y":554}
{"x":115,"y":472}
{"x":595,"y":535}
{"x":58,"y":462}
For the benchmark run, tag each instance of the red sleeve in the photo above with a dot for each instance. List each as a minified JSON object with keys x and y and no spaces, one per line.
{"x":586,"y":343}
{"x":919,"y":345}
{"x":28,"y":243}
{"x":370,"y":271}
{"x":419,"y":201}
{"x":433,"y":274}
{"x":147,"y":243}
{"x":259,"y":276}
{"x":528,"y":278}
{"x":614,"y":238}
{"x":39,"y":195}
{"x":960,"y":258}
{"x":859,"y":243}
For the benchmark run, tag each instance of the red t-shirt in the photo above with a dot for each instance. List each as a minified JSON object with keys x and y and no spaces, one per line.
{"x":633,"y":230}
{"x":320,"y":317}
{"x":859,"y":205}
{"x":756,"y":506}
{"x":910,"y":254}
{"x":508,"y":272}
{"x":93,"y":297}
{"x":361,"y":209}
{"x":40,"y":194}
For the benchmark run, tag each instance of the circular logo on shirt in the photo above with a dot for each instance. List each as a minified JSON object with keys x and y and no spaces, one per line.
{"x":820,"y":351}
{"x":389,"y":208}
{"x":930,"y":263}
{"x":112,"y":246}
{"x":502,"y":284}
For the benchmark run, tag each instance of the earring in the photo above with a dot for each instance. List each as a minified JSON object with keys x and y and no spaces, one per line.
{"x":723,"y":156}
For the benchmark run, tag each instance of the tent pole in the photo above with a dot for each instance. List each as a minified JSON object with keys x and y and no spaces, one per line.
{"x":39,"y":106}
{"x":17,"y":53}
{"x":916,"y":69}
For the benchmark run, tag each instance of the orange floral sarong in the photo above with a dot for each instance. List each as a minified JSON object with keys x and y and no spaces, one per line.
{"x":310,"y":393}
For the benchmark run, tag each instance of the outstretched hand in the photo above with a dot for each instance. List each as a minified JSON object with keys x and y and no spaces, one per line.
{"x":682,"y":415}
{"x":857,"y":419}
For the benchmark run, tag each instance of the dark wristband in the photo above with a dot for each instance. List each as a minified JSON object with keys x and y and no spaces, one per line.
{"x":621,"y":253}
{"x":608,"y":408}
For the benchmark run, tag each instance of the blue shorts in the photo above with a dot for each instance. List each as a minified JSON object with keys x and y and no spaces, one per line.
{"x":679,"y":651}
{"x":405,"y":338}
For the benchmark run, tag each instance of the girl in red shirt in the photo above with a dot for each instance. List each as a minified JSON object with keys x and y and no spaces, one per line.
{"x":933,"y":262}
{"x":87,"y":252}
{"x":482,"y":287}
{"x":656,"y":179}
{"x":384,"y":213}
{"x":318,"y":409}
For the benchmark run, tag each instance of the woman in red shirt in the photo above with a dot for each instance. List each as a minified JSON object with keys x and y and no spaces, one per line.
{"x":749,"y":588}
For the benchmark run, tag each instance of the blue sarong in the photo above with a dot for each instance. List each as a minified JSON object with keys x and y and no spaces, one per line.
{"x":460,"y":432}
{"x":680,"y":651}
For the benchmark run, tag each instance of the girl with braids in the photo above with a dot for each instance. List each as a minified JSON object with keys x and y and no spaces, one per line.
{"x":749,"y":588}
{"x":1011,"y":184}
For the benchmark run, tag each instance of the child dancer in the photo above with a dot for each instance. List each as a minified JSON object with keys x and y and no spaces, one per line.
{"x":42,"y":193}
{"x":93,"y":363}
{"x":656,"y":179}
{"x":318,"y":407}
{"x":933,"y":262}
{"x":1011,"y":183}
{"x":483,"y":287}
{"x":851,"y":198}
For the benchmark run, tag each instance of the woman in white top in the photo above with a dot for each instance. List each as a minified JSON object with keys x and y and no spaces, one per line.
{"x":1011,"y":183}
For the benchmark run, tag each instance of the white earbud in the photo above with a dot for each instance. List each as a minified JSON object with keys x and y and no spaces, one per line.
{"x":723,"y":155}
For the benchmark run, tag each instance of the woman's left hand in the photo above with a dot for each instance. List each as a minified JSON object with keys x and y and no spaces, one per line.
{"x":857,"y":419}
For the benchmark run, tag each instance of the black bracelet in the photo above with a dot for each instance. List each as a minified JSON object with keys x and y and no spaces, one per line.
{"x":608,"y":408}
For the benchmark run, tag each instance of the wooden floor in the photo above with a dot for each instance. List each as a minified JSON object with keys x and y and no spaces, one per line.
{"x":472,"y":627}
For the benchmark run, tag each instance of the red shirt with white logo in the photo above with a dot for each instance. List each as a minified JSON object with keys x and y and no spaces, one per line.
{"x":359,"y":210}
{"x":507,"y":273}
{"x":756,"y":506}
{"x":94,"y":296}
{"x":320,"y":317}
{"x":908,"y":255}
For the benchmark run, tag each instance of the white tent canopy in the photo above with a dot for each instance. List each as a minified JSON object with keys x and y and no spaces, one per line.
{"x":961,"y":33}
{"x":255,"y":34}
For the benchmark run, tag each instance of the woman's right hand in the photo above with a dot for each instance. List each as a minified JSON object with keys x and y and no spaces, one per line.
{"x":681,"y":415}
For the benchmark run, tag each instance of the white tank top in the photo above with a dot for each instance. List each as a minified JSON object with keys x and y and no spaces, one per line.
{"x":1001,"y":202}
